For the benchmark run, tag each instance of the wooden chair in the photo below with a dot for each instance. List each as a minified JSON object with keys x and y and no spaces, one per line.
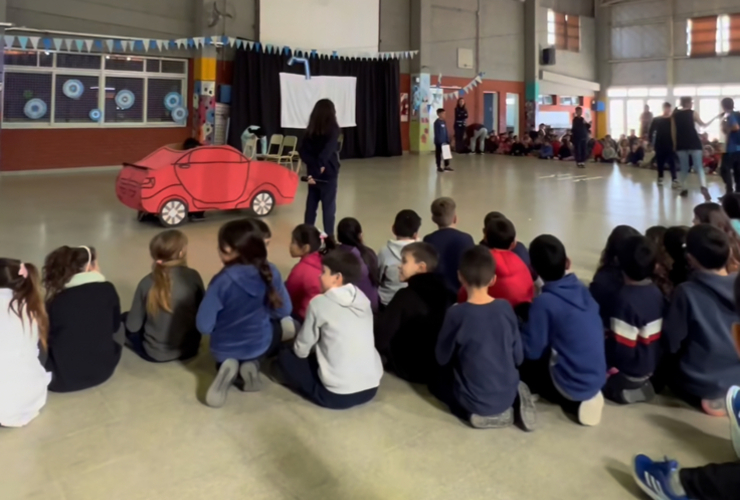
{"x":274,"y":148}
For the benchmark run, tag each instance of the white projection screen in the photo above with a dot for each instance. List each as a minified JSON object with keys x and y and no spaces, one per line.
{"x":347,"y":26}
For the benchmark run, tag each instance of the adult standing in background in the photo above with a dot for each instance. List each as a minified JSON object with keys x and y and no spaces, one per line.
{"x":579,"y":137}
{"x":461,"y":121}
{"x":661,"y":137}
{"x":319,"y":152}
{"x":731,"y":158}
{"x":646,"y":118}
{"x":688,"y":145}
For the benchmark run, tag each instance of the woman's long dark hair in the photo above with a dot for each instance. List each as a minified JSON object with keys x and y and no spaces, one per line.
{"x":63,"y":263}
{"x":27,"y":302}
{"x":349,"y":232}
{"x":464,"y":106}
{"x":244,"y":238}
{"x":323,"y":119}
{"x":618,"y":235}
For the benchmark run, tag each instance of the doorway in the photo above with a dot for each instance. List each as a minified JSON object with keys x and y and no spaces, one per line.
{"x":490,"y":111}
{"x":512,"y":113}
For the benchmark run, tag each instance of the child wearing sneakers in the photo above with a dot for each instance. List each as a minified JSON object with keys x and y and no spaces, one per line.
{"x":441,"y":138}
{"x":449,"y":242}
{"x":406,"y":331}
{"x":242,"y":309}
{"x":479,"y":349}
{"x":698,"y":324}
{"x":564,"y":337}
{"x":513,"y":279}
{"x":635,"y":325}
{"x":333,"y":362}
{"x":406,"y":229}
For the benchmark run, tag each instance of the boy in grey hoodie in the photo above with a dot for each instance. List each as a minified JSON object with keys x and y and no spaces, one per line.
{"x":333,"y":361}
{"x":406,"y":229}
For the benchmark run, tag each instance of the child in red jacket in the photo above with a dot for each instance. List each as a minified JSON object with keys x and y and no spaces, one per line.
{"x":513,"y":280}
{"x":303,"y":282}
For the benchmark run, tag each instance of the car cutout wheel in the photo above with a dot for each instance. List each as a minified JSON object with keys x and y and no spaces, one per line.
{"x":263,"y":203}
{"x":173,"y":213}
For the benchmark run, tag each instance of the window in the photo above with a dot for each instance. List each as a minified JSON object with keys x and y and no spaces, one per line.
{"x":563,"y":31}
{"x":48,"y":89}
{"x":616,"y":117}
{"x":713,"y":35}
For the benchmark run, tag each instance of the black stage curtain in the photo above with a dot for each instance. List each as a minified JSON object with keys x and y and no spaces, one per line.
{"x":255,"y":99}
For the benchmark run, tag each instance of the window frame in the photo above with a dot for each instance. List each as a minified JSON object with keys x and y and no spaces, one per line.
{"x":560,"y":31}
{"x":101,"y":73}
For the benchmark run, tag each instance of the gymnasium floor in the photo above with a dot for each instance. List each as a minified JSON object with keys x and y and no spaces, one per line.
{"x":145,"y":435}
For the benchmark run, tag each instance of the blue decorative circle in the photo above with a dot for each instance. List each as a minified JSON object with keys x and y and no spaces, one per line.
{"x":179,"y":114}
{"x":172,"y":100}
{"x":210,"y":116}
{"x":35,"y":109}
{"x":125,"y":99}
{"x":73,"y":89}
{"x":95,"y":115}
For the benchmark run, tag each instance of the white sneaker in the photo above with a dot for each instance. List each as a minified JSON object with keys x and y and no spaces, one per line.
{"x":589,"y":412}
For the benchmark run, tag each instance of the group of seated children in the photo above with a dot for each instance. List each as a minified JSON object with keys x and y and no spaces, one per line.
{"x":658,"y":312}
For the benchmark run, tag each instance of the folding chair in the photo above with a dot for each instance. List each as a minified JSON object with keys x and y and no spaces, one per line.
{"x":274,"y":149}
{"x":290,"y":150}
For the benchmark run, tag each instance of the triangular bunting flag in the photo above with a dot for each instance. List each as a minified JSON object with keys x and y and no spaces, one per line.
{"x":257,"y":46}
{"x":23,"y":40}
{"x":46,"y":43}
{"x":198,"y":41}
{"x":98,"y":45}
{"x":160,"y":45}
{"x":88,"y":45}
{"x":179,"y":42}
{"x":79,"y":44}
{"x":34,"y":41}
{"x":58,"y":43}
{"x":239,"y":43}
{"x":109,"y":44}
{"x":137,"y":45}
{"x":118,"y":45}
{"x":9,"y":41}
{"x":191,"y":42}
{"x":146,"y":42}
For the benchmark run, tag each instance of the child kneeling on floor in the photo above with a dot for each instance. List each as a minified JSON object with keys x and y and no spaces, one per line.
{"x":564,"y":337}
{"x":479,"y":349}
{"x":406,"y":331}
{"x":333,"y":362}
{"x":242,"y":309}
{"x":635,"y":325}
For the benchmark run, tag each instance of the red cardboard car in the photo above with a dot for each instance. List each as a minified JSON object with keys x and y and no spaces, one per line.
{"x":172,"y":182}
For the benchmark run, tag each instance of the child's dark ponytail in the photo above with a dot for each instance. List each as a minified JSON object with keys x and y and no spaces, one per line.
{"x":349,"y":232}
{"x":24,"y":281}
{"x":244,"y":238}
{"x":618,"y":235}
{"x":307,"y":235}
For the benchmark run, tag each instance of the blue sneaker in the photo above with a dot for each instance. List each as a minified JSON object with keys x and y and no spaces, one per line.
{"x":654,"y":478}
{"x":733,"y":411}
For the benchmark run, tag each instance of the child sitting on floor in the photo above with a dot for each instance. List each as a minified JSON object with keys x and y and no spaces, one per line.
{"x":563,"y":337}
{"x":699,"y":321}
{"x":675,"y":243}
{"x":635,"y":325}
{"x":161,"y":323}
{"x":242,"y":309}
{"x":513,"y":279}
{"x":303,"y":281}
{"x":479,"y":349}
{"x":23,"y":325}
{"x":333,"y":362}
{"x":546,"y":151}
{"x":518,"y":247}
{"x":84,"y":314}
{"x":449,"y":242}
{"x":349,"y":235}
{"x":406,"y":331}
{"x":608,"y":278}
{"x":565,"y":153}
{"x":406,"y":229}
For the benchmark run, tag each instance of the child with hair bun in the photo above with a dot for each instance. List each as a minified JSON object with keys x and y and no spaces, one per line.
{"x":84,"y":314}
{"x":23,"y":326}
{"x":161,"y":323}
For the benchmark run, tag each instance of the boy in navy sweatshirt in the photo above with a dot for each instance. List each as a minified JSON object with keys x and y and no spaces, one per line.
{"x":699,"y":321}
{"x":479,"y":349}
{"x":441,"y":138}
{"x":635,"y":325}
{"x":450,"y":243}
{"x":564,"y":337}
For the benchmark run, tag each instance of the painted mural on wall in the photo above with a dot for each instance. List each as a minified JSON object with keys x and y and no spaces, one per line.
{"x":404,"y":106}
{"x":204,"y":111}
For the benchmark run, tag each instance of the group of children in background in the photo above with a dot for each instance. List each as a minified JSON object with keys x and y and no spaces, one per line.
{"x":658,"y":313}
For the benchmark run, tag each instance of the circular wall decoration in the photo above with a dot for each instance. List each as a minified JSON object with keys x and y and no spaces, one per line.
{"x":95,"y":115}
{"x":125,"y":99}
{"x":35,"y":109}
{"x":172,"y":101}
{"x":210,"y":116}
{"x":179,"y":114}
{"x":73,"y":89}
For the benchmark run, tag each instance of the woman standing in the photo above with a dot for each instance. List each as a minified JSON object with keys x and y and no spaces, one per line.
{"x":688,"y":145}
{"x":461,"y":122}
{"x":319,"y":151}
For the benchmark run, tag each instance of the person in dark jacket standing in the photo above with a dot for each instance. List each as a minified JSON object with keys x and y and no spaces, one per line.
{"x":688,"y":145}
{"x":662,"y":139}
{"x":579,"y":131}
{"x":440,"y":139}
{"x":731,"y":158}
{"x":461,"y":122}
{"x":319,"y":152}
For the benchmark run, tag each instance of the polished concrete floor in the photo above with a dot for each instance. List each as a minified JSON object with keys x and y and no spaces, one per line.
{"x":145,"y":434}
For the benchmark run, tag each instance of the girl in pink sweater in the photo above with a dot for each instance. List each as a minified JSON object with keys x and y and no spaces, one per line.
{"x":303,"y":282}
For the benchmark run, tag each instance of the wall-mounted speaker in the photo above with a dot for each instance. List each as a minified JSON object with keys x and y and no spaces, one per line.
{"x":548,"y":56}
